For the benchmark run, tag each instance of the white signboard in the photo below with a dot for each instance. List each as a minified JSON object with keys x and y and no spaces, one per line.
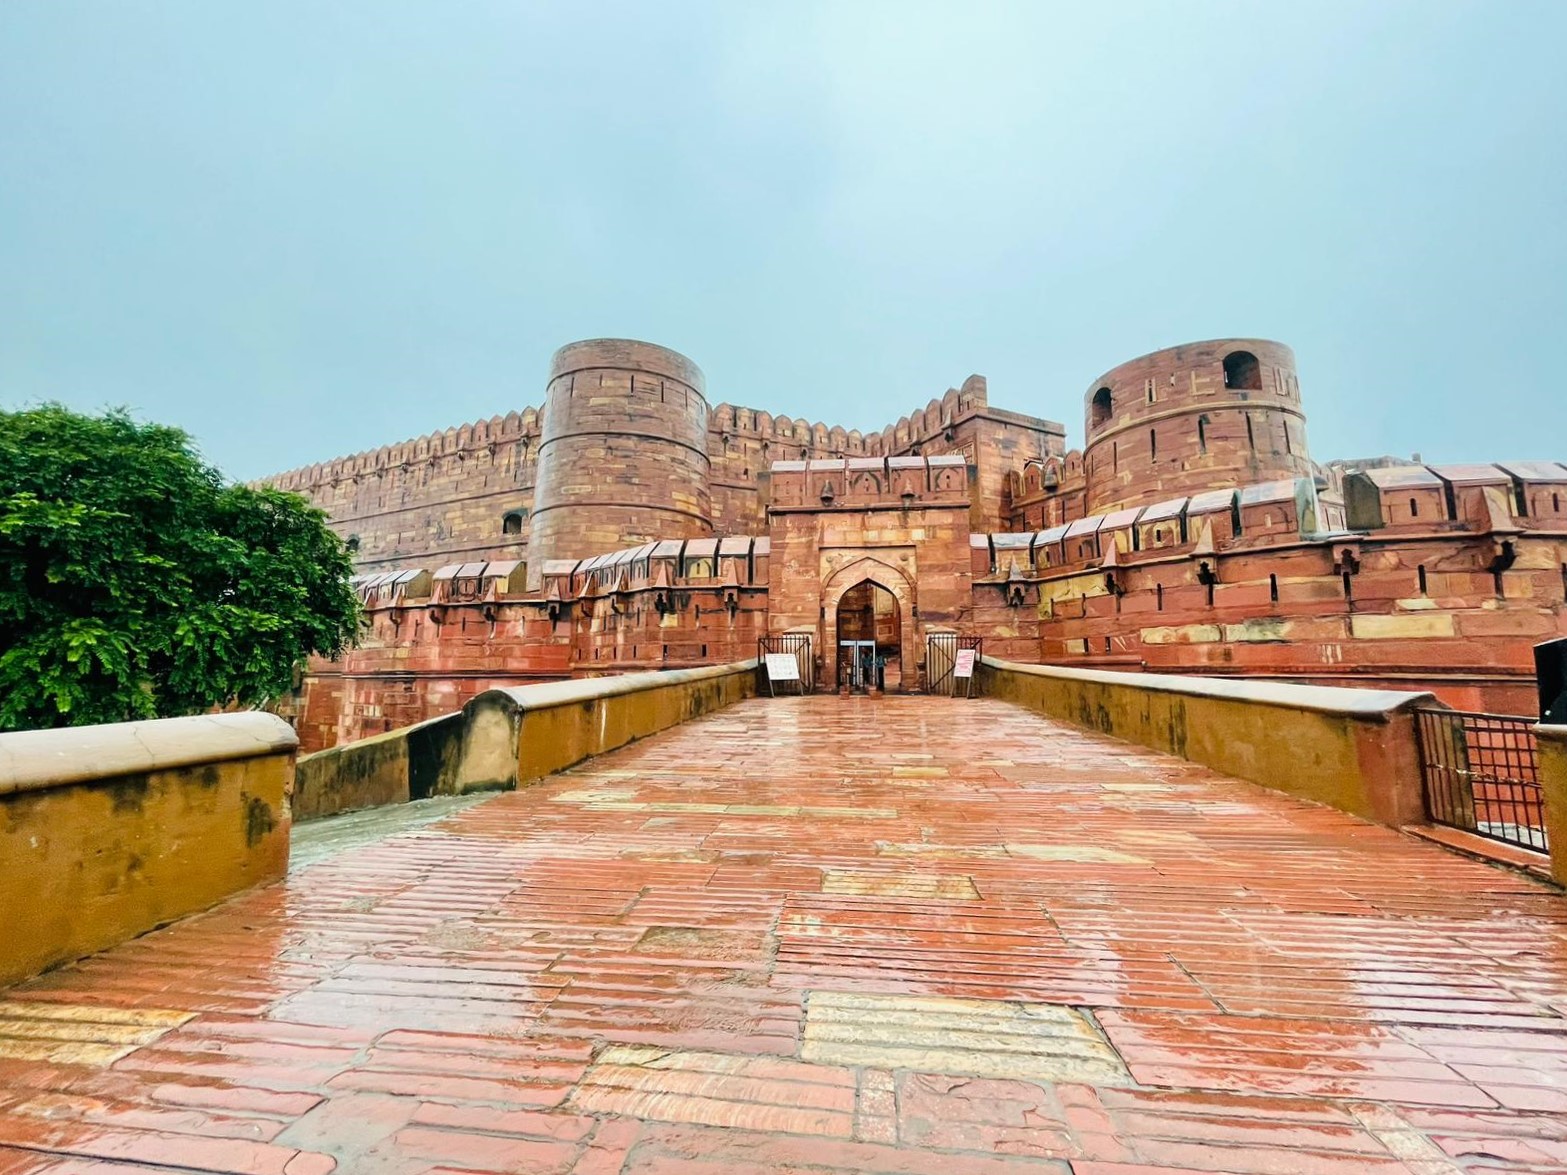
{"x":964,"y":665}
{"x":782,"y":667}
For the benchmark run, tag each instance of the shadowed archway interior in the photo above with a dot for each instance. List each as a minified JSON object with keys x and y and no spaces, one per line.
{"x":870,"y":637}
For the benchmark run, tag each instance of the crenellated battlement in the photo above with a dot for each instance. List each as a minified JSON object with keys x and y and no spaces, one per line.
{"x":629,"y":525}
{"x":480,"y":434}
{"x":937,"y":416}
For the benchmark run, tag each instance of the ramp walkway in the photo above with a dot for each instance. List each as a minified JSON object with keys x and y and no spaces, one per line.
{"x":905,"y":936}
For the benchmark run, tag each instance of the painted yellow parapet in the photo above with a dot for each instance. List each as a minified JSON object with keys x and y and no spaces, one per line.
{"x":516,"y":735}
{"x":504,"y":736}
{"x":1552,"y":742}
{"x":109,"y":831}
{"x":1350,"y":748}
{"x":411,"y":763}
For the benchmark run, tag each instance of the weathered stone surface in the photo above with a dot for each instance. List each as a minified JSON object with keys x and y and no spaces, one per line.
{"x":531,"y":985}
{"x":629,"y":526}
{"x":975,"y":1038}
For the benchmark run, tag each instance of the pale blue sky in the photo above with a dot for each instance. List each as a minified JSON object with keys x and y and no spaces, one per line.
{"x":300,"y":229}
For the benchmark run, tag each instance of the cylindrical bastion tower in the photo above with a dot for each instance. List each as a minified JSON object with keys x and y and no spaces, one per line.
{"x":1196,"y":417}
{"x":622,"y":456}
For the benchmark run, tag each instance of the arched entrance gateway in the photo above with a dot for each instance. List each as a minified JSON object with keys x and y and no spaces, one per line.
{"x":870,"y":638}
{"x":868,"y":618}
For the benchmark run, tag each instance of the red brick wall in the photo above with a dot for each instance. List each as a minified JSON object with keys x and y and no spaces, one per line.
{"x":626,"y":451}
{"x":902,"y":523}
{"x":419,"y":659}
{"x":440,"y":498}
{"x":623,"y":453}
{"x":1281,"y":611}
{"x":744,"y":442}
{"x":1195,"y":433}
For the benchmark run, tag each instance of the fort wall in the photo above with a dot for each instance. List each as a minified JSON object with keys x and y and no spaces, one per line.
{"x":1196,"y":417}
{"x":1438,"y":592}
{"x":626,"y":447}
{"x":622,"y":453}
{"x":1191,"y":534}
{"x":465,"y":493}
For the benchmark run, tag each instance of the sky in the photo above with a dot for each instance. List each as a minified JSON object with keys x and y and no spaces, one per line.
{"x":302,"y":230}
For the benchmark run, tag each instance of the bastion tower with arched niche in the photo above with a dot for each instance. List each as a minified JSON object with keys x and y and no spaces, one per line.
{"x":1197,"y":417}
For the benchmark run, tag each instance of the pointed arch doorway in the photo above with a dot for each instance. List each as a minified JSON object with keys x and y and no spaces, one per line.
{"x":868,"y":613}
{"x":870,"y":638}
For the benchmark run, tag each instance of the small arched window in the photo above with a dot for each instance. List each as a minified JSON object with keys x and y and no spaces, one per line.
{"x":1242,"y":371}
{"x":512,"y":522}
{"x":1100,"y":408}
{"x":1414,"y":507}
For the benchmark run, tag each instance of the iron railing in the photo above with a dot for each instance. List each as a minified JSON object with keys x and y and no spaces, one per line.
{"x":941,"y":659}
{"x":796,"y":643}
{"x":1481,"y":774}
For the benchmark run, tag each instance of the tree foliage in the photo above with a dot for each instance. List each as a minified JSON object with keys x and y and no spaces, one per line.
{"x":136,"y":583}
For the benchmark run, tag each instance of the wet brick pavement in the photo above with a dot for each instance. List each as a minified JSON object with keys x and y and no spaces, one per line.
{"x":813,"y":935}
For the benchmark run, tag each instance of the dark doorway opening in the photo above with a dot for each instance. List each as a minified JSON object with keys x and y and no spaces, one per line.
{"x":870,"y":639}
{"x":1242,"y":371}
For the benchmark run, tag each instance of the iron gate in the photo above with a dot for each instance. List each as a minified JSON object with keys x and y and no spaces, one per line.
{"x":941,"y":659}
{"x":1481,"y":774}
{"x":796,"y":643}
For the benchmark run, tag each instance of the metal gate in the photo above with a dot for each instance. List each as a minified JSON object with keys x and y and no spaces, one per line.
{"x":941,"y":659}
{"x":1481,"y":774}
{"x":797,"y":643}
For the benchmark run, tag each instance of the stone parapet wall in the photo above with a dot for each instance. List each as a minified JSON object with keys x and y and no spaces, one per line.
{"x":1349,"y":748}
{"x":524,"y":733}
{"x":411,"y":763}
{"x":1552,"y":742}
{"x":109,"y":831}
{"x":511,"y":736}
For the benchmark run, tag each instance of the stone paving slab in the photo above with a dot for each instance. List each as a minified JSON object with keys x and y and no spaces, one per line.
{"x":901,"y":936}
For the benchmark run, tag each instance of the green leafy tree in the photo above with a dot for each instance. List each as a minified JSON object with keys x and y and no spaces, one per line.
{"x":136,"y":583}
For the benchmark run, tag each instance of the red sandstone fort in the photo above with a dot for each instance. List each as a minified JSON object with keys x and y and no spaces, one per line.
{"x":629,"y":524}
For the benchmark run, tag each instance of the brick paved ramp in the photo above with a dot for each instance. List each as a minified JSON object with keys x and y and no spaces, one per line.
{"x":813,"y":935}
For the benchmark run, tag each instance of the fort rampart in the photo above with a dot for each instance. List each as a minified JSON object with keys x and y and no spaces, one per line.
{"x":629,"y":526}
